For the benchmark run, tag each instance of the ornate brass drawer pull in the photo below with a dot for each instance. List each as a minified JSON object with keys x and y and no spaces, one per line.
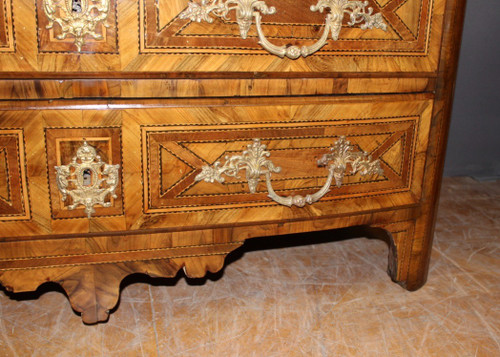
{"x":255,"y":162}
{"x":246,"y":10}
{"x":87,"y":180}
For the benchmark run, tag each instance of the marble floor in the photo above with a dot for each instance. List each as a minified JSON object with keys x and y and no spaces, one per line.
{"x":286,"y":297}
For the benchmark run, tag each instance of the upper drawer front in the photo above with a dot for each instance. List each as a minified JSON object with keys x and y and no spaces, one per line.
{"x":143,"y":174}
{"x":164,"y":36}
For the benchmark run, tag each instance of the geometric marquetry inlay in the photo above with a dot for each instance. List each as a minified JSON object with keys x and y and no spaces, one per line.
{"x":4,"y":177}
{"x":382,"y":2}
{"x":6,"y":27}
{"x":173,"y":169}
{"x":411,"y":18}
{"x":175,"y":156}
{"x":393,"y":157}
{"x":407,"y":32}
{"x":14,"y":198}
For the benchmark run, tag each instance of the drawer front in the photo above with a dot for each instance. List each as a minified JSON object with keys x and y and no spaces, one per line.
{"x":177,"y":143}
{"x":137,"y":36}
{"x":32,"y":144}
{"x":411,"y":28}
{"x":159,"y":152}
{"x":175,"y":156}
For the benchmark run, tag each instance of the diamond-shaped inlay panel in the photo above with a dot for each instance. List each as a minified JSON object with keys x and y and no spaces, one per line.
{"x":180,"y":155}
{"x":14,"y":198}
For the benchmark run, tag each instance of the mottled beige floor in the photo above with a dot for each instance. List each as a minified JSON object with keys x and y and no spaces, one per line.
{"x":286,"y":298}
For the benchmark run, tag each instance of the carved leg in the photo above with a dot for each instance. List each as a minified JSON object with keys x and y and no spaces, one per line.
{"x":409,"y":253}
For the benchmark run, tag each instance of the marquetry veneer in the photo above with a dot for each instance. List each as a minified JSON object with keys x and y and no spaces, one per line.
{"x":175,"y":108}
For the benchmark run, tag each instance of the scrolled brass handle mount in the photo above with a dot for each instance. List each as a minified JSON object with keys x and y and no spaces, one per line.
{"x":255,"y":162}
{"x":247,"y":10}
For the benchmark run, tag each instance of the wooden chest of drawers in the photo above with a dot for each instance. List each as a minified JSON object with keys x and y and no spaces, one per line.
{"x":141,"y":136}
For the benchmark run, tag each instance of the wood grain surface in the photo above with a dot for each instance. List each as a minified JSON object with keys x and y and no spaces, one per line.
{"x":162,"y":97}
{"x":149,"y":37}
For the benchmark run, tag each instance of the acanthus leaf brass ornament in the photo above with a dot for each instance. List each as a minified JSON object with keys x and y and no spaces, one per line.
{"x":91,"y":180}
{"x":247,"y":10}
{"x":255,"y":162}
{"x":342,"y":154}
{"x":77,"y":19}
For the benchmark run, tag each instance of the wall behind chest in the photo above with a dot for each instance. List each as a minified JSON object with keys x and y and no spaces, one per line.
{"x":476,"y":107}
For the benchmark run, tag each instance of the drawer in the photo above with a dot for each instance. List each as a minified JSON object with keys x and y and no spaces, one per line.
{"x":33,"y":143}
{"x":409,"y":43}
{"x":296,"y":136}
{"x":135,"y":37}
{"x":161,"y":149}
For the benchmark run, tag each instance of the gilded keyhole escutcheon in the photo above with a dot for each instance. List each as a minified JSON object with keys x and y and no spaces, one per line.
{"x":87,"y":180}
{"x":77,"y":18}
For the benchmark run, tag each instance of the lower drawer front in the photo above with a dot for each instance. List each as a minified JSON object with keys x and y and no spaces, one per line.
{"x":162,"y":150}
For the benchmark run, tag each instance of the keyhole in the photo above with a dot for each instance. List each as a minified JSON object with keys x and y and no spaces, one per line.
{"x":76,"y":6}
{"x":87,"y":177}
